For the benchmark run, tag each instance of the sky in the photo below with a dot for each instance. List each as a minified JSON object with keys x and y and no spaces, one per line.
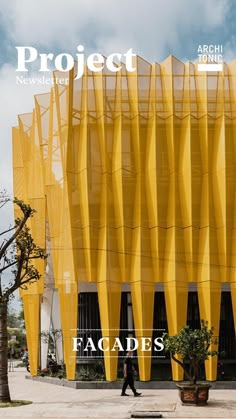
{"x":154,"y":29}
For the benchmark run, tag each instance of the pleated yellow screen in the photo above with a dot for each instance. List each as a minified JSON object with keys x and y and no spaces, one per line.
{"x":134,"y":176}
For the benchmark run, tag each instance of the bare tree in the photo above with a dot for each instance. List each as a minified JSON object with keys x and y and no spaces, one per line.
{"x":17,"y":255}
{"x":51,"y":337}
{"x":4,"y":198}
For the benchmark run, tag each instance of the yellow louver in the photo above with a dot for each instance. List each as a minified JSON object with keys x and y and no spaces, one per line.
{"x":135,"y":175}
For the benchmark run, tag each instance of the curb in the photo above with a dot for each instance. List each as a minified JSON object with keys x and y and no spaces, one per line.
{"x":109,"y":385}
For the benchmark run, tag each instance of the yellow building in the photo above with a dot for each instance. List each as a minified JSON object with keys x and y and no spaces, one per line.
{"x":134,"y":182}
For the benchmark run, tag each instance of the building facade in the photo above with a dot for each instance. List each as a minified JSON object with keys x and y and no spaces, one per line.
{"x":133,"y":179}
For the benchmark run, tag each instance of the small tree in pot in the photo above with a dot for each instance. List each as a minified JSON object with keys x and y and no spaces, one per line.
{"x":190,"y":349}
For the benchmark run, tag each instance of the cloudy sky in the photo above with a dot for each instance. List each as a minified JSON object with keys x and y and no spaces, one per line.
{"x":153,"y":28}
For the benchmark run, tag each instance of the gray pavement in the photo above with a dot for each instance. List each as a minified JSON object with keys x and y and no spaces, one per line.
{"x":52,"y":401}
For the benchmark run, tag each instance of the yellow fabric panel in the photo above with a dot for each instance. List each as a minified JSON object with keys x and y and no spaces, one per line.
{"x":29,"y":186}
{"x":109,"y":296}
{"x":209,"y":296}
{"x":143,"y":305}
{"x":68,"y":298}
{"x":31,"y":304}
{"x":138,"y":170}
{"x":176,"y":299}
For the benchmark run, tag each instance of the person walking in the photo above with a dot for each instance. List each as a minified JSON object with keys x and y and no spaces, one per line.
{"x":129,"y":372}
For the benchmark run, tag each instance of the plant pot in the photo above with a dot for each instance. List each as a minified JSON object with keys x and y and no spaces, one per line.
{"x":194,"y":393}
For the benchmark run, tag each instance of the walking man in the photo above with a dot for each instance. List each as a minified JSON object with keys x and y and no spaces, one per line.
{"x":129,"y":372}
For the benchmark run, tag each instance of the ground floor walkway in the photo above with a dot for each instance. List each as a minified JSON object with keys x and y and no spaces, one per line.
{"x":53,"y":401}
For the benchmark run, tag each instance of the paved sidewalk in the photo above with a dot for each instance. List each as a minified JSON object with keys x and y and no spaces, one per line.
{"x":52,"y":401}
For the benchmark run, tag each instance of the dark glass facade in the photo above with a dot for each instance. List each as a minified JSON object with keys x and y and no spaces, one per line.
{"x":89,"y":326}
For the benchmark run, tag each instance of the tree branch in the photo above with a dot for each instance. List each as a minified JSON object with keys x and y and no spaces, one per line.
{"x":182,"y":365}
{"x":8,"y":266}
{"x":4,"y":198}
{"x":20,"y":267}
{"x":18,"y":251}
{"x":30,"y":279}
{"x":14,"y":236}
{"x":16,"y":286}
{"x":7,"y":231}
{"x":24,"y":275}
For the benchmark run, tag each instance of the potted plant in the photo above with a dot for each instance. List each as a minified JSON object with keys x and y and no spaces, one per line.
{"x":190,"y":348}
